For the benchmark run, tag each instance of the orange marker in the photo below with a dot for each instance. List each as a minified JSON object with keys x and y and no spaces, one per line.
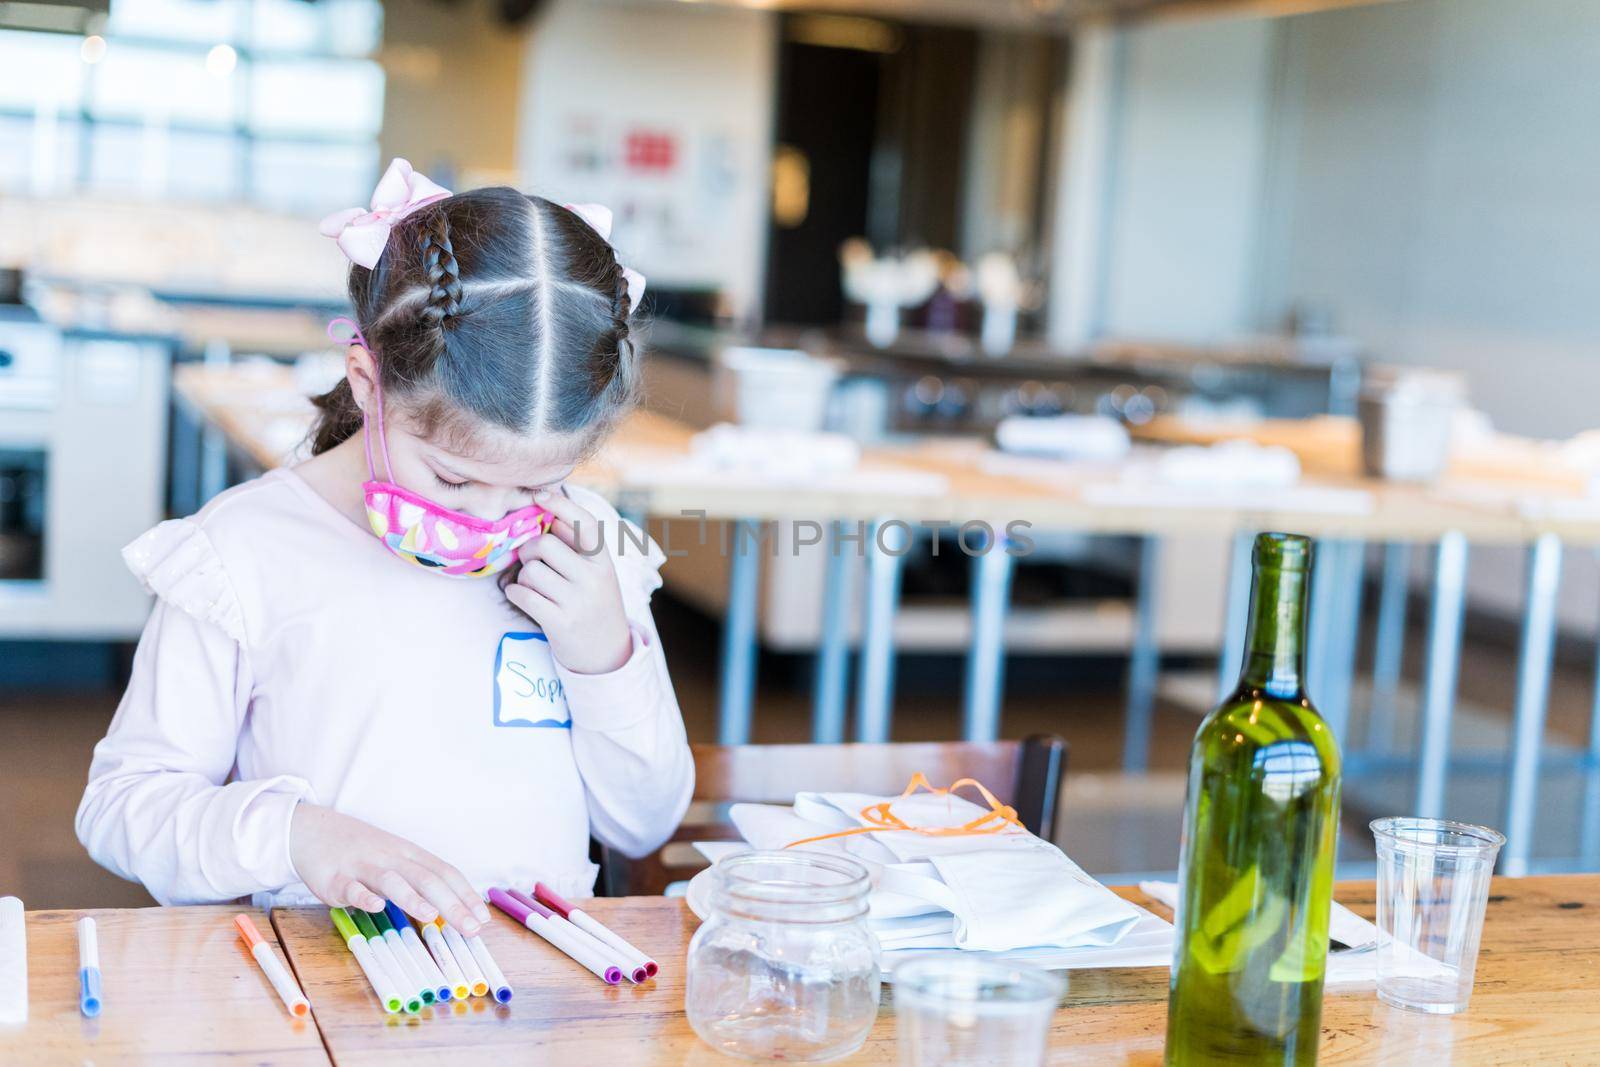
{"x":275,"y":971}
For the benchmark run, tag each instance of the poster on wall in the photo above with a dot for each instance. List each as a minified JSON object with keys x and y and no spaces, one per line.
{"x":674,"y":192}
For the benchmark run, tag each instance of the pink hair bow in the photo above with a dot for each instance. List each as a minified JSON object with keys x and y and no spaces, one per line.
{"x":598,"y":216}
{"x":362,"y":235}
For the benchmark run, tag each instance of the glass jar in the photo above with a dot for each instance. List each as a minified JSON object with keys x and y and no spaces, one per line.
{"x":785,"y":966}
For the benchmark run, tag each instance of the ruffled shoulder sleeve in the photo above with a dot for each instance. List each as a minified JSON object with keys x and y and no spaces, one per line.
{"x":178,"y":563}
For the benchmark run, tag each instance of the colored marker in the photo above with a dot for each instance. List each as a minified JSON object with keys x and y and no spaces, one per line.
{"x":13,"y":962}
{"x":498,"y":986}
{"x":542,"y":921}
{"x":377,"y":977}
{"x":601,"y":950}
{"x":636,"y":964}
{"x":88,"y":968}
{"x":276,"y":972}
{"x":414,"y":978}
{"x":386,"y":961}
{"x":434,"y":937}
{"x":469,"y":966}
{"x":419,"y":953}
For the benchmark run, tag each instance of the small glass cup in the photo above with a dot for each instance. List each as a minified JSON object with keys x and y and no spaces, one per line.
{"x":1433,"y":884}
{"x":953,"y":1008}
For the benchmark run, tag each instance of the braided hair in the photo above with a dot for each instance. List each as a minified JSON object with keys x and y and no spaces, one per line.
{"x":493,"y":308}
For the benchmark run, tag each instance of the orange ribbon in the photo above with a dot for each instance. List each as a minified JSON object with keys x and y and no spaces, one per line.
{"x":880,"y":818}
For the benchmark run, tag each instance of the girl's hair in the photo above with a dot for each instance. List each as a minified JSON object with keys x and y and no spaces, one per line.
{"x":493,"y":307}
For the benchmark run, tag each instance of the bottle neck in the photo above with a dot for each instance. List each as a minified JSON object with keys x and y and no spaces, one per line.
{"x":1274,"y":649}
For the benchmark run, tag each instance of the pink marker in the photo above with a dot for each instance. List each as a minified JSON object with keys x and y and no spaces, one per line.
{"x":560,"y":934}
{"x":640,"y":967}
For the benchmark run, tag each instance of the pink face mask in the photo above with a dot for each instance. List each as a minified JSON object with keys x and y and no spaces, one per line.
{"x":427,"y":534}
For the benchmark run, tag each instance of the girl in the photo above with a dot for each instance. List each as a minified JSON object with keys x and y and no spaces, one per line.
{"x":316,"y":711}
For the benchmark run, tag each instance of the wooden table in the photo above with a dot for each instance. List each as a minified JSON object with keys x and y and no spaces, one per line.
{"x":1537,"y":998}
{"x":179,"y":986}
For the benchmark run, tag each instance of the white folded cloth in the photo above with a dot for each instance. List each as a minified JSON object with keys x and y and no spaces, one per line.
{"x":977,"y":892}
{"x":1229,"y":464}
{"x":1091,"y":437}
{"x":793,"y":453}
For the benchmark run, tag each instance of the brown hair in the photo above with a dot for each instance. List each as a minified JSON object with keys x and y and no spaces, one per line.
{"x":506,"y":308}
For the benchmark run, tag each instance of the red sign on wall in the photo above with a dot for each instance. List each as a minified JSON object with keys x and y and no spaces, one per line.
{"x":650,"y":150}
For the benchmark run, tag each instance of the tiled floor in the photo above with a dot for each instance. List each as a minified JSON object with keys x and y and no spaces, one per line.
{"x":1108,"y":823}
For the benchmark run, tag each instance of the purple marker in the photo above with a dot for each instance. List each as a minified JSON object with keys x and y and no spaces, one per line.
{"x":546,"y":924}
{"x":639,"y":966}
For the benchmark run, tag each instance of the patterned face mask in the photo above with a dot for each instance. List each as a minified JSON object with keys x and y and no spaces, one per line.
{"x":426,"y":533}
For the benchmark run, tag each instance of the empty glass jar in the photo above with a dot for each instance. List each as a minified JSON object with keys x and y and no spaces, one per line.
{"x":785,"y":967}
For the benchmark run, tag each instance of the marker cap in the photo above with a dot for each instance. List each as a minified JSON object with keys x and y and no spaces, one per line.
{"x":552,"y":900}
{"x":343,"y":923}
{"x":364,"y":924}
{"x":247,"y":929}
{"x":531,"y":904}
{"x":397,"y":918}
{"x":510,"y":905}
{"x":380,"y":919}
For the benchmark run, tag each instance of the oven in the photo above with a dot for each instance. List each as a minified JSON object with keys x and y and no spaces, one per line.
{"x":82,"y":432}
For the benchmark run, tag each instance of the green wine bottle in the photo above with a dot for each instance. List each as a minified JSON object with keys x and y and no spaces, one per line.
{"x":1260,"y":826}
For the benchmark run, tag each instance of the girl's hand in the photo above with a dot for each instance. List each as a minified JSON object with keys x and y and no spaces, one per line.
{"x":350,"y":863}
{"x":568,"y":586}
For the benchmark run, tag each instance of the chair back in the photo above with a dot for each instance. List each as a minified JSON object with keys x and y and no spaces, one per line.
{"x":1025,"y":774}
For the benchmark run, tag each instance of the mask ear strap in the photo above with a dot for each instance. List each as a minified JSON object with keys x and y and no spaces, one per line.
{"x":358,"y":338}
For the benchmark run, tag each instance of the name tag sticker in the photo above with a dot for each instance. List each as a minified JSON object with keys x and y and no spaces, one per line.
{"x":527,"y":690}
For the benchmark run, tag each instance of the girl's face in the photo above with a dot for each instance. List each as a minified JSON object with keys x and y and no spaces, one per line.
{"x":500,"y":473}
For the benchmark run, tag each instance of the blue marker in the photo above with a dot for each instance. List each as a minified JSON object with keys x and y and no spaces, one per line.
{"x":88,"y":968}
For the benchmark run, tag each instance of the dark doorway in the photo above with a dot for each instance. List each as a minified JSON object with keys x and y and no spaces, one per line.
{"x":871,"y":135}
{"x":827,"y":123}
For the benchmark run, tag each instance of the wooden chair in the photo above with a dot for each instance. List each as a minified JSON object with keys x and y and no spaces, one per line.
{"x":1025,"y":774}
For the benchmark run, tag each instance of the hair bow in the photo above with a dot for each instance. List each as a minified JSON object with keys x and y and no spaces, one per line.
{"x":598,"y":216}
{"x":362,"y":235}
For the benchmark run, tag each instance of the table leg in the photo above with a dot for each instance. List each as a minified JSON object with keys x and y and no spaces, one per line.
{"x":1444,"y":660}
{"x":1334,"y":624}
{"x":1236,"y":615}
{"x":1144,"y":661}
{"x":213,"y":463}
{"x":1389,"y":646}
{"x":739,"y":634}
{"x":1589,"y":845}
{"x":186,"y":462}
{"x":833,"y":647}
{"x":1533,"y":690}
{"x":887,"y":542}
{"x":986,"y":661}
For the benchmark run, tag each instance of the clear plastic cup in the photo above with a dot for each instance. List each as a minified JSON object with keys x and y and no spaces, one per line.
{"x":1433,"y":884}
{"x":953,"y":1008}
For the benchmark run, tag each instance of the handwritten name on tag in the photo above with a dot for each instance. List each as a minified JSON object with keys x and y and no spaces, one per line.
{"x":527,"y":689}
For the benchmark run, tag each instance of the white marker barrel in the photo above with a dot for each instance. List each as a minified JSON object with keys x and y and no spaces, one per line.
{"x":13,"y":962}
{"x":469,"y":966}
{"x":446,"y":961}
{"x":499,"y":988}
{"x":377,"y":977}
{"x":430,"y":970}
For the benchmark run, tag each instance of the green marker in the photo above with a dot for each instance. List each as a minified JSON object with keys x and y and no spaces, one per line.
{"x":386,"y":960}
{"x":415,"y":979}
{"x":377,"y":977}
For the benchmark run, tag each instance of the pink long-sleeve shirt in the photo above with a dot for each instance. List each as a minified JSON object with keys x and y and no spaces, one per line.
{"x":290,"y":657}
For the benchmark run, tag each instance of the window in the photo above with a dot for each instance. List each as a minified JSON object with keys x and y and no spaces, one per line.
{"x":271,"y":101}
